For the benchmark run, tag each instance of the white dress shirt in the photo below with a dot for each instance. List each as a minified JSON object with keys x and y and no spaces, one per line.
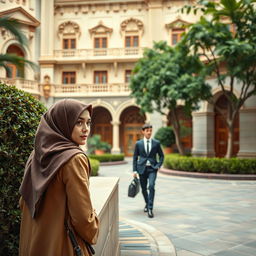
{"x":150,"y":146}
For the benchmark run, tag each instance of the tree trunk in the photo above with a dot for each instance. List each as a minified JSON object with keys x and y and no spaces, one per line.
{"x":230,"y":141}
{"x":230,"y":123}
{"x":176,"y":130}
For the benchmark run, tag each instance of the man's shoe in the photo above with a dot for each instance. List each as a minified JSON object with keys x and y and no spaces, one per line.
{"x":146,"y":209}
{"x":150,"y":213}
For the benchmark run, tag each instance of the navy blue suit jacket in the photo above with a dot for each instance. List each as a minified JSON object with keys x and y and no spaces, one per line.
{"x":140,"y":156}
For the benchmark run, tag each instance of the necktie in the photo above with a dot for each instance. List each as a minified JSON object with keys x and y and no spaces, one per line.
{"x":147,"y":147}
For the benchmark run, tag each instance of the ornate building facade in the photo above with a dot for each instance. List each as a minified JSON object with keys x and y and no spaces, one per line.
{"x":87,"y":49}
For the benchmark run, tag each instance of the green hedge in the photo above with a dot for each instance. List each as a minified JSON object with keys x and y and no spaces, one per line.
{"x":20,"y":114}
{"x":95,"y":164}
{"x":108,"y":157}
{"x":210,"y":165}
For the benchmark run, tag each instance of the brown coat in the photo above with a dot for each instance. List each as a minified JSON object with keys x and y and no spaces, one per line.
{"x":67,"y":197}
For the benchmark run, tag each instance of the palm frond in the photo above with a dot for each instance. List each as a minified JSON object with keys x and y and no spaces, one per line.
{"x":13,"y":26}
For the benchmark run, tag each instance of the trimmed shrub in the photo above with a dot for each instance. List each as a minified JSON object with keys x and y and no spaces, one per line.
{"x":166,"y":136}
{"x":20,"y":114}
{"x":108,"y":157}
{"x":95,"y":165}
{"x":210,"y":165}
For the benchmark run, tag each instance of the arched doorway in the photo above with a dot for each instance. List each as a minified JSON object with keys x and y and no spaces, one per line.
{"x":101,"y":124}
{"x":221,"y":130}
{"x":14,"y":71}
{"x":130,"y":129}
{"x":186,"y":121}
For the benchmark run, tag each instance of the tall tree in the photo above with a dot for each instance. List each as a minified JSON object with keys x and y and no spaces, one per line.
{"x":235,"y":49}
{"x":165,"y":76}
{"x":13,"y":27}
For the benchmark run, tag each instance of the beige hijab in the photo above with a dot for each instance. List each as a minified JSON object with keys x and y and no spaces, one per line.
{"x":53,"y":148}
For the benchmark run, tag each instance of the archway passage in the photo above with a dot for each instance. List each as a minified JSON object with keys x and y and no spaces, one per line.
{"x":221,"y":130}
{"x":101,"y":124}
{"x":186,"y":121}
{"x":14,"y":71}
{"x":130,"y":129}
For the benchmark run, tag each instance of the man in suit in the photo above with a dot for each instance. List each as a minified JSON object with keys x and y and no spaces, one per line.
{"x":146,"y":164}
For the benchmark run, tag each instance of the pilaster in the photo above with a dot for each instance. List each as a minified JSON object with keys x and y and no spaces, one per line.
{"x":203,"y":134}
{"x":115,"y":149}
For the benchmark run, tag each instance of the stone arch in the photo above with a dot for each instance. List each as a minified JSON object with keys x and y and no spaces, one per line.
{"x":126,"y":104}
{"x":131,"y":122}
{"x":216,"y":92}
{"x":100,"y":103}
{"x":102,"y":124}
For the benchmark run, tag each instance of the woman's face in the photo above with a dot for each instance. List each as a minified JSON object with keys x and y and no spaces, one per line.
{"x":81,"y":129}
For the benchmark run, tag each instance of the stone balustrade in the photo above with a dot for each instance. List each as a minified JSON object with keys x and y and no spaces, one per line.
{"x":23,"y":84}
{"x":99,"y":52}
{"x":104,"y":194}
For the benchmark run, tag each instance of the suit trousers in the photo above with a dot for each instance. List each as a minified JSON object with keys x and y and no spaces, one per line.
{"x":148,"y":178}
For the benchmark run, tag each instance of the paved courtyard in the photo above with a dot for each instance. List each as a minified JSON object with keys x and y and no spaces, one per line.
{"x":199,"y":216}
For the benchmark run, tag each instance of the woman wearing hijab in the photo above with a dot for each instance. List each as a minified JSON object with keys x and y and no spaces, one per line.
{"x":55,"y":187}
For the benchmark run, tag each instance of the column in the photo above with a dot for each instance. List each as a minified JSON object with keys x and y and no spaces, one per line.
{"x":203,"y":134}
{"x":115,"y":149}
{"x":247,"y":131}
{"x":47,"y":28}
{"x":155,"y":17}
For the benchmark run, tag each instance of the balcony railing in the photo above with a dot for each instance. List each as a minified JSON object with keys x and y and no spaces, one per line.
{"x":23,"y":84}
{"x":100,"y":52}
{"x":91,"y":88}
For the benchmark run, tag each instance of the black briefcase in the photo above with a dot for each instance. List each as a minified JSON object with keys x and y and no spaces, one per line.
{"x":134,"y":188}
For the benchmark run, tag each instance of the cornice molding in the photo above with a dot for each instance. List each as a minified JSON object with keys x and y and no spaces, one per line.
{"x":32,"y":20}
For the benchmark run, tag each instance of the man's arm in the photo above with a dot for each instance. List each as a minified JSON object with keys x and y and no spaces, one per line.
{"x":161,"y":156}
{"x":135,"y":157}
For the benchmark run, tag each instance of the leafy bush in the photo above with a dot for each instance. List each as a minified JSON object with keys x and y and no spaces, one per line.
{"x":108,"y":157}
{"x":95,"y":164}
{"x":210,"y":165}
{"x":166,"y":136}
{"x":95,"y":143}
{"x":20,"y":114}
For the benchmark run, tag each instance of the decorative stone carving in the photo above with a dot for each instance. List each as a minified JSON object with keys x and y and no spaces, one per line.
{"x":100,"y":29}
{"x":132,"y":25}
{"x":178,"y":23}
{"x":69,"y":28}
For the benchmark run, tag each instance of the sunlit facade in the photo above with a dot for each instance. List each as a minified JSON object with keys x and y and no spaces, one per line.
{"x":87,"y":49}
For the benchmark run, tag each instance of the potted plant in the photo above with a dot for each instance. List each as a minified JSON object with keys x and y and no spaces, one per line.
{"x":96,"y":146}
{"x":166,"y":137}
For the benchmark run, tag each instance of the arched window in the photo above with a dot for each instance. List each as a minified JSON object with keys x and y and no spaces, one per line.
{"x":13,"y":70}
{"x":69,"y":32}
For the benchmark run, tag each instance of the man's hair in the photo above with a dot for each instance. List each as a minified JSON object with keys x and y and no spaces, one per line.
{"x":146,"y":126}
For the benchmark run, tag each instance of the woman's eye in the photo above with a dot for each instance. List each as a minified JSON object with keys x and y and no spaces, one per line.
{"x":89,"y":123}
{"x":79,"y":123}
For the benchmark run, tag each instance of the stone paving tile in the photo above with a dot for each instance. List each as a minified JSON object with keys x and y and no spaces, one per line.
{"x":199,"y":211}
{"x":187,"y":253}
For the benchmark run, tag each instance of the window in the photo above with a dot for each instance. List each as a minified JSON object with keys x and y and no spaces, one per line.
{"x":127,"y":76}
{"x":131,"y":41}
{"x":100,"y":77}
{"x":176,"y":35}
{"x":69,"y":43}
{"x":100,"y":42}
{"x":69,"y":77}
